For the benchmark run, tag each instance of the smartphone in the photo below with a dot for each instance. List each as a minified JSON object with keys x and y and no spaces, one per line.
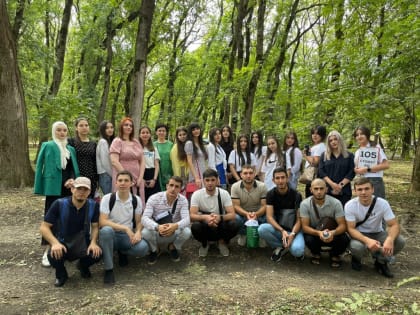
{"x":306,"y":148}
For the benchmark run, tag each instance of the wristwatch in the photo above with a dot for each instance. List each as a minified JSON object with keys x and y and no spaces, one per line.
{"x":369,"y":170}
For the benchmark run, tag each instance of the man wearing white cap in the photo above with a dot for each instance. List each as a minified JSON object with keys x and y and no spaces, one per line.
{"x":71,"y":228}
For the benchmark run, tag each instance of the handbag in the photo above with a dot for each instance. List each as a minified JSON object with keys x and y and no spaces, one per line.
{"x":286,"y":218}
{"x":76,"y":244}
{"x":192,"y":187}
{"x":324,"y":223}
{"x":308,"y":175}
{"x":168,"y":217}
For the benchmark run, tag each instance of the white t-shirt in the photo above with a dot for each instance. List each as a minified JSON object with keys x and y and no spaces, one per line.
{"x":260,"y":159}
{"x":234,"y":160}
{"x":316,"y":150}
{"x":297,"y":160}
{"x":210,"y":203}
{"x":267,"y":168}
{"x":356,"y":212}
{"x":216,"y":157}
{"x":380,"y":158}
{"x":122,"y":212}
{"x":150,"y":157}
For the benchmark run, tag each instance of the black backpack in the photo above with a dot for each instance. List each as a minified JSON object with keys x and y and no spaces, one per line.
{"x":112,"y":199}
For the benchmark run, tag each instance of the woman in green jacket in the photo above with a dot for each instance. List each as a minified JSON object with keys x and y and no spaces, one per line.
{"x":56,"y":168}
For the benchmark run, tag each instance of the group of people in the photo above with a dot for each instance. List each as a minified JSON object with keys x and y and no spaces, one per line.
{"x":156,"y":195}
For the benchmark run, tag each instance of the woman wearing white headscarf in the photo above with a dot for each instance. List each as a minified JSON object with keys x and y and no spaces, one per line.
{"x":56,"y":168}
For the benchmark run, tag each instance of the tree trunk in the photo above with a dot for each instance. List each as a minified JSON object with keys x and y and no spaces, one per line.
{"x":15,"y":168}
{"x":415,"y":179}
{"x":107,"y":71}
{"x":20,"y":9}
{"x":147,"y":10}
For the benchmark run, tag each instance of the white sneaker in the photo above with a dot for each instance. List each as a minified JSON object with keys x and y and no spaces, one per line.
{"x":224,"y":251}
{"x":241,"y":240}
{"x":45,"y":262}
{"x":262,"y":243}
{"x":202,"y":251}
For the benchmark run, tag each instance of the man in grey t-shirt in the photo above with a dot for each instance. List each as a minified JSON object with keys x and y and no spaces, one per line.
{"x":370,"y":233}
{"x":327,"y":206}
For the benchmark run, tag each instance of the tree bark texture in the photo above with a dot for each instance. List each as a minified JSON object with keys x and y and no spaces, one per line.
{"x":147,"y":10}
{"x":15,"y":168}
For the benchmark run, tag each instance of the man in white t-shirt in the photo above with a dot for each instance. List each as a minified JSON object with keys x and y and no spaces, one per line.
{"x":212,"y":215}
{"x":121,"y":225}
{"x":367,"y":231}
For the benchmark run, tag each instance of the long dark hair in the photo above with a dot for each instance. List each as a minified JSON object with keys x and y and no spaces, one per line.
{"x":212,"y":134}
{"x":102,"y":132}
{"x":258,"y":152}
{"x":294,"y":146}
{"x":278,"y":152}
{"x":321,"y":131}
{"x":231,"y":139}
{"x":76,"y":123}
{"x":244,"y":156}
{"x":182,"y":156}
{"x":365,"y":131}
{"x":149,"y":144}
{"x":200,"y":140}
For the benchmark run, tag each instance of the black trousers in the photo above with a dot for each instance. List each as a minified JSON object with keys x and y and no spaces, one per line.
{"x":58,"y":264}
{"x":338,"y":245}
{"x":203,"y":233}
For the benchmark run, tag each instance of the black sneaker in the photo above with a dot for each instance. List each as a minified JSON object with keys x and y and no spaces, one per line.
{"x":174,"y":254}
{"x":383,"y":269}
{"x":152,"y":259}
{"x":61,"y":278}
{"x":84,"y":271}
{"x":109,"y":277}
{"x":122,"y":259}
{"x":356,"y":264}
{"x":278,"y":253}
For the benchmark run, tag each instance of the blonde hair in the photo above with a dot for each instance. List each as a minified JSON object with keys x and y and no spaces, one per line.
{"x":342,"y":148}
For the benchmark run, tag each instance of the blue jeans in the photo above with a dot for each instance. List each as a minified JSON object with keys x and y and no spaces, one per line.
{"x":274,"y":239}
{"x":111,"y":240}
{"x":105,"y":182}
{"x":240,"y":221}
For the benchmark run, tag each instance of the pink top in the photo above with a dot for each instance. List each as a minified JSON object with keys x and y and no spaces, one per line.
{"x":130,"y":154}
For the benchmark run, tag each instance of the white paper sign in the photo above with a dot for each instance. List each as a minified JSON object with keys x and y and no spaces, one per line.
{"x":368,"y":157}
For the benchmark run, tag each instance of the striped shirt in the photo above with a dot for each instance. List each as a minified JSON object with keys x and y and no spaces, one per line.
{"x":157,"y":205}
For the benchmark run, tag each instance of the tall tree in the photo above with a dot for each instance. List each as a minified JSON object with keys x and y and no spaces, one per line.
{"x":147,"y":10}
{"x":15,"y":167}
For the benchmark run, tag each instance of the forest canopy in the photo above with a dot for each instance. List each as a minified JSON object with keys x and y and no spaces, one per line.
{"x":254,"y":64}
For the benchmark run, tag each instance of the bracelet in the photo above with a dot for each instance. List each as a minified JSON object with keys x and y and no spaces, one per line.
{"x":293,"y":233}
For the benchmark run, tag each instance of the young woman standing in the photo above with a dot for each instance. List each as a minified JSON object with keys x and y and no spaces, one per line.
{"x":273,"y":159}
{"x":240,"y":156}
{"x":164,"y":147}
{"x":178,"y":155}
{"x":127,"y":154}
{"x":259,"y":150}
{"x":103,"y":160}
{"x":151,"y":159}
{"x":336,"y":167}
{"x":217,"y":156}
{"x":197,"y":155}
{"x":227,"y":145}
{"x":293,"y":158}
{"x":86,"y":153}
{"x":313,"y":154}
{"x":370,"y":160}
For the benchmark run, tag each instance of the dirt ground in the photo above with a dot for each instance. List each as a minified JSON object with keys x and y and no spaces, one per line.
{"x":246,"y":282}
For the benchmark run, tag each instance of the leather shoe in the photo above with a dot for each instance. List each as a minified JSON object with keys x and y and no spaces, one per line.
{"x":122,"y":259}
{"x":356,"y":264}
{"x":59,"y":282}
{"x":383,"y":269}
{"x":84,"y":271}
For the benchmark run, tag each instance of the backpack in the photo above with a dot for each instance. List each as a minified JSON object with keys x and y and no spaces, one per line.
{"x":112,"y":200}
{"x":64,"y":215}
